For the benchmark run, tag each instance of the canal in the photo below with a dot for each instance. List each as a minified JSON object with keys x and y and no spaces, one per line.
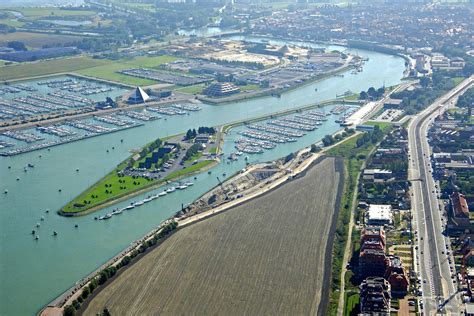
{"x":33,"y":272}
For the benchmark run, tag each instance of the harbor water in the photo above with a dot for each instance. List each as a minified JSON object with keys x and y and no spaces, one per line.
{"x":33,"y":272}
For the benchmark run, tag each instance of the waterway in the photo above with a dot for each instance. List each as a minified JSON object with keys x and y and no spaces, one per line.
{"x":32,"y":273}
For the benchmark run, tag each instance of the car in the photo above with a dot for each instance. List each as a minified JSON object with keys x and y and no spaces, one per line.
{"x":411,"y":303}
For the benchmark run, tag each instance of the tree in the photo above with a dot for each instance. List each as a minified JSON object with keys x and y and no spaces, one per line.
{"x":371,"y":92}
{"x":69,"y":311}
{"x":17,"y":45}
{"x":425,"y":82}
{"x":363,"y":95}
{"x":106,"y":312}
{"x":85,"y":292}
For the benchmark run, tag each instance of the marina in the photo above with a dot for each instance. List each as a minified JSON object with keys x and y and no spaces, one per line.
{"x":43,"y":137}
{"x":94,"y":242}
{"x":55,"y":95}
{"x":256,"y":138}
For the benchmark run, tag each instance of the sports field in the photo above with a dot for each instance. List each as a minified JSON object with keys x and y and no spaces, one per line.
{"x":268,"y":256}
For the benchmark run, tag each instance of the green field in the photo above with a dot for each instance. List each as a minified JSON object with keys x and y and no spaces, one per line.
{"x":194,"y":89}
{"x":351,"y":304}
{"x":384,"y":126}
{"x":98,"y":68}
{"x":37,"y":40}
{"x":48,"y":67}
{"x":109,"y":70}
{"x":37,"y":12}
{"x":112,"y":187}
{"x":250,"y":87}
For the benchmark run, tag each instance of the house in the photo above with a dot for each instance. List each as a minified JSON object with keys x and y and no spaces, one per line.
{"x":166,"y":149}
{"x":202,"y":139}
{"x":377,"y":175}
{"x":468,"y":258}
{"x":459,"y":216}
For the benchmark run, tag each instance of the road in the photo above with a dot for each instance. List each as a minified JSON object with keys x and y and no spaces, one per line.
{"x":439,"y":292}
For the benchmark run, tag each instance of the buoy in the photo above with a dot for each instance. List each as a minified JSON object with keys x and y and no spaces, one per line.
{"x":6,"y":191}
{"x":55,"y":233}
{"x":59,"y":190}
{"x":77,"y":169}
{"x":40,"y":156}
{"x":33,"y":232}
{"x":76,"y":226}
{"x":195,"y":178}
{"x":113,"y":147}
{"x":9,"y":167}
{"x":42,"y":218}
{"x":121,"y":140}
{"x":17,"y":179}
{"x":107,"y":150}
{"x":95,"y":218}
{"x":47,"y":210}
{"x":38,"y":224}
{"x":37,"y":237}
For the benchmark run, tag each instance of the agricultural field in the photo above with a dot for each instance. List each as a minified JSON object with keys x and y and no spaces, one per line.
{"x":37,"y":40}
{"x":268,"y":256}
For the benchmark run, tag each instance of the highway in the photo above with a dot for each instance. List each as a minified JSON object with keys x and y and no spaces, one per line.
{"x":439,"y":292}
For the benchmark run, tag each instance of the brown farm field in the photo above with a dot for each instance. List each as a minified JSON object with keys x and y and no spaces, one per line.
{"x":268,"y":256}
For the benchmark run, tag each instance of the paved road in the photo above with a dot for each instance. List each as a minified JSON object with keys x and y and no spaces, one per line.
{"x":439,"y":291}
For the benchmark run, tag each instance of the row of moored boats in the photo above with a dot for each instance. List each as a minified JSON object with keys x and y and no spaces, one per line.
{"x":146,"y":200}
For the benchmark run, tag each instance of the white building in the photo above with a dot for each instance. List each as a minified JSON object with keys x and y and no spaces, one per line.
{"x":379,"y":214}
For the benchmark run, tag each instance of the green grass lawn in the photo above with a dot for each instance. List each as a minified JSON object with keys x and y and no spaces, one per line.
{"x":110,"y":70}
{"x":11,"y":22}
{"x":195,"y":157}
{"x":250,"y":87}
{"x":98,"y":68}
{"x":48,"y":67}
{"x":189,"y":170}
{"x":351,"y":304}
{"x":384,"y":126}
{"x":118,"y":187}
{"x":458,"y":80}
{"x":36,"y":12}
{"x":352,"y":97}
{"x":194,"y":89}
